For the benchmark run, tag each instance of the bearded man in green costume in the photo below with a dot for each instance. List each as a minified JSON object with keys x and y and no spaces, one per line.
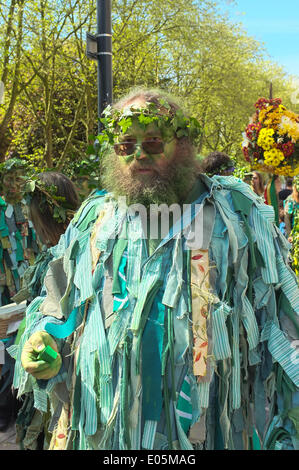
{"x":165,"y":339}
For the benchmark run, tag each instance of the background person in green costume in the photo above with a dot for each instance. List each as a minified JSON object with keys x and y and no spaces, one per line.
{"x":167,"y":341}
{"x":18,"y":249}
{"x":51,"y":190}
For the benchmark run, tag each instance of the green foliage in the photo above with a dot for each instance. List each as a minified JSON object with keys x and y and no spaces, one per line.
{"x":242,"y":171}
{"x":119,"y":121}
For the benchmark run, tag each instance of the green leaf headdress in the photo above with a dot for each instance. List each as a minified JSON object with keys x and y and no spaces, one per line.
{"x":169,"y":121}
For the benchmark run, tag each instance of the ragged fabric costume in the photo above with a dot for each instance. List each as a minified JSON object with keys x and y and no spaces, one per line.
{"x":18,"y":248}
{"x":166,"y":347}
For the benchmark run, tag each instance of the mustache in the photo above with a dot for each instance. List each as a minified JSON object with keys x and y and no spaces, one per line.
{"x":141,"y":165}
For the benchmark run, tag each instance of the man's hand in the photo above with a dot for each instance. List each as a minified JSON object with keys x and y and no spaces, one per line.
{"x":29,"y":358}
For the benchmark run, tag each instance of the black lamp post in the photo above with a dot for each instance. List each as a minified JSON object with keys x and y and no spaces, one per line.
{"x":99,"y":48}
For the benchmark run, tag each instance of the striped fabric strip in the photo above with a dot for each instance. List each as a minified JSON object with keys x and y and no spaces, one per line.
{"x":150,"y":278}
{"x":233,"y":241}
{"x":282,"y":350}
{"x":88,"y":415}
{"x":265,"y":245}
{"x":267,"y":212}
{"x":221,"y":347}
{"x":94,"y":339}
{"x":184,"y":405}
{"x":118,"y":329}
{"x":88,"y":409}
{"x":230,"y":182}
{"x":84,"y":282}
{"x":204,"y":393}
{"x":82,"y":239}
{"x":174,"y":283}
{"x":250,"y":324}
{"x":149,"y":433}
{"x":40,"y":400}
{"x":236,"y":378}
{"x":185,"y":444}
{"x":135,"y":432}
{"x":135,"y":250}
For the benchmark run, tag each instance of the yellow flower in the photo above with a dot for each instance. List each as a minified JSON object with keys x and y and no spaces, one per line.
{"x":265,"y":139}
{"x":273,"y":157}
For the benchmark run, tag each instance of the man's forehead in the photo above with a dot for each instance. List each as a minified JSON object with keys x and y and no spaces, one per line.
{"x":138,"y":102}
{"x":136,"y":129}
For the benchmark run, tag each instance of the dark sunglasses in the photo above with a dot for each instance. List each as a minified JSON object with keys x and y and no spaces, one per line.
{"x":153,"y":147}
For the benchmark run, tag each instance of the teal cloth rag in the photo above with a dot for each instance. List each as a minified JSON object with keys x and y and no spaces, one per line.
{"x":65,"y":329}
{"x":152,"y":343}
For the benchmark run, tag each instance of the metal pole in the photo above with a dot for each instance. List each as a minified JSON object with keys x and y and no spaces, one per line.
{"x":104,"y":40}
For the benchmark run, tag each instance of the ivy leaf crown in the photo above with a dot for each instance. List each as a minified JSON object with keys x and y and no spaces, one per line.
{"x":116,"y":122}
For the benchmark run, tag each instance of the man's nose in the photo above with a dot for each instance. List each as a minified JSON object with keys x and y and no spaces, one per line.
{"x":140,"y":153}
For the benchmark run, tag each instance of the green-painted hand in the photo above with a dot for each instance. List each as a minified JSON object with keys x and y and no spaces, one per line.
{"x":40,"y":369}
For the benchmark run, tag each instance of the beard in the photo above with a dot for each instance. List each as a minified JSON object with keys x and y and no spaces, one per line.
{"x":168,"y":185}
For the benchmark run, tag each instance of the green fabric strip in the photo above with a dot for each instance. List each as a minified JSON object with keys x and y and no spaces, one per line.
{"x":19,"y":251}
{"x":152,"y":342}
{"x":274,"y":201}
{"x":264,"y":238}
{"x":4,"y":232}
{"x":221,"y":347}
{"x":167,"y":411}
{"x":149,"y":434}
{"x":120,"y":293}
{"x":148,"y":302}
{"x":124,"y":391}
{"x":184,"y":405}
{"x":118,"y":251}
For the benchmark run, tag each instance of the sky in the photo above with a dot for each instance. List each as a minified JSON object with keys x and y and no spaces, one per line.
{"x":273,"y":22}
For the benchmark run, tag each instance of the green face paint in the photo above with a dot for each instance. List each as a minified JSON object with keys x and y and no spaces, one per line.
{"x":142,"y":144}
